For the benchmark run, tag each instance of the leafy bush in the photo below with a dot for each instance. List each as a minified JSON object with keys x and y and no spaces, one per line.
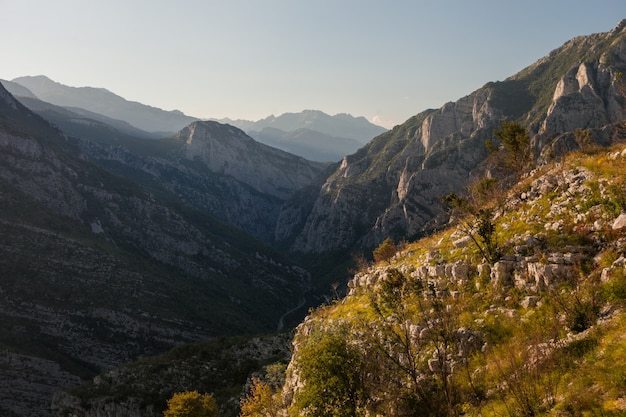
{"x":331,"y":368}
{"x":615,"y":289}
{"x":478,"y":224}
{"x":191,"y":404}
{"x":263,"y":400}
{"x":385,"y":251}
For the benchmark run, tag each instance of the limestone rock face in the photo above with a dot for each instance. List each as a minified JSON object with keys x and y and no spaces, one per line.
{"x":393,"y":186}
{"x":229,"y":151}
{"x":583,"y":98}
{"x":220,"y":171}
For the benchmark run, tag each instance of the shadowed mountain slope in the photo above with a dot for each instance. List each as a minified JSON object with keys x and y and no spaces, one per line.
{"x":97,"y":270}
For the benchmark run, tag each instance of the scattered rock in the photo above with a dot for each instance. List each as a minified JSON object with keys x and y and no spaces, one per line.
{"x":530,"y":301}
{"x":532,"y":241}
{"x":502,"y":273}
{"x":620,"y":222}
{"x":462,"y":242}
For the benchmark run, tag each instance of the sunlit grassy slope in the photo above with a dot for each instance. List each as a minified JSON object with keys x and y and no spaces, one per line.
{"x":546,"y":321}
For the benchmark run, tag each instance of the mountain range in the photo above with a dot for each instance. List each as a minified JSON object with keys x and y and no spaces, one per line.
{"x":311,"y":134}
{"x":117,"y":247}
{"x":393,"y":185}
{"x":102,"y":101}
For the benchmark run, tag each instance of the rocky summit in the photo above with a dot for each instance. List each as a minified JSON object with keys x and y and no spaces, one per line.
{"x":214,"y":168}
{"x":229,"y":151}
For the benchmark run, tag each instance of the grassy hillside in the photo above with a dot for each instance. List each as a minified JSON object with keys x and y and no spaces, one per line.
{"x":439,"y":330}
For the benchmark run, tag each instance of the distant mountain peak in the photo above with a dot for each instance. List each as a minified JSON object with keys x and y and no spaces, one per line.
{"x":106,"y":103}
{"x":331,"y":138}
{"x":46,"y":81}
{"x":7,"y":98}
{"x":227,"y":150}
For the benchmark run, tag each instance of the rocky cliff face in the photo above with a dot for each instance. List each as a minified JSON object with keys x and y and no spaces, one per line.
{"x":229,"y":151}
{"x":587,"y":96}
{"x":393,"y":186}
{"x":215,"y":168}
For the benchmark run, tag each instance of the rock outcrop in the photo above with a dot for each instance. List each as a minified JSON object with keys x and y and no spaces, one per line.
{"x":393,"y":186}
{"x":227,"y":150}
{"x":215,"y":168}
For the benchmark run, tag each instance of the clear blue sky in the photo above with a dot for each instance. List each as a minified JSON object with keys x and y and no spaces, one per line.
{"x":385,"y":60}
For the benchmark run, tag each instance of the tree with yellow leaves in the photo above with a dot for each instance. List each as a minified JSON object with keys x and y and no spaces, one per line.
{"x":262,"y":401}
{"x":385,"y":251}
{"x":191,"y":404}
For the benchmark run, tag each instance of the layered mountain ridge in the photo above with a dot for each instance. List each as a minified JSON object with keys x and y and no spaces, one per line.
{"x":102,"y":101}
{"x":340,"y":125}
{"x":216,"y":169}
{"x":229,"y":151}
{"x":311,"y":134}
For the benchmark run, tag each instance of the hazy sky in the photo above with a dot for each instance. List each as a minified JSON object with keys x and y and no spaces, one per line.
{"x":385,"y":60}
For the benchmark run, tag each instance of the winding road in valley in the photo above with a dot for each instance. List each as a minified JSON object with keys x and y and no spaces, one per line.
{"x":281,"y":321}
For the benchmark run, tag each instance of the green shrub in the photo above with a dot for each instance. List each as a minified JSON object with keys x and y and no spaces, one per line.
{"x":330,"y":368}
{"x":615,"y":289}
{"x":385,"y":251}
